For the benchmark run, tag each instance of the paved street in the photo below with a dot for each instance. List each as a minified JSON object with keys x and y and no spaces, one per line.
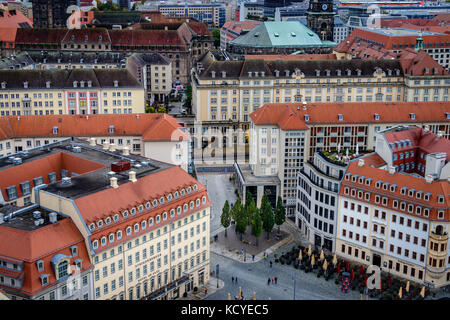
{"x":219,"y":189}
{"x":253,"y":278}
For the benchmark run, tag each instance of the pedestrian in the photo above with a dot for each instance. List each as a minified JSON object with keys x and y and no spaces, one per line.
{"x":276,"y":280}
{"x":235,"y":279}
{"x":206,"y":292}
{"x":232,"y":279}
{"x":273,"y":280}
{"x":253,"y":257}
{"x":270,"y":263}
{"x":268,"y":282}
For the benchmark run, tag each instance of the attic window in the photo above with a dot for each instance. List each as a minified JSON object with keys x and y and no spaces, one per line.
{"x":25,"y":84}
{"x":340,"y":117}
{"x":47,"y":84}
{"x":74,"y":250}
{"x":377,"y":116}
{"x":55,"y":130}
{"x":412,"y":116}
{"x":3,"y":85}
{"x":111,"y":129}
{"x":306,"y":117}
{"x":40,"y":265}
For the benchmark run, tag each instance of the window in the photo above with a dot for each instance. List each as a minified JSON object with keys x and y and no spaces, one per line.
{"x":63,"y":269}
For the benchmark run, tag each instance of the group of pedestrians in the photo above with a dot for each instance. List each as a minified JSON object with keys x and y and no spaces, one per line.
{"x":234,"y":280}
{"x":273,"y":280}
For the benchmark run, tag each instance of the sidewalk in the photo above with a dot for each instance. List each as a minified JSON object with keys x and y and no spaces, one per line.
{"x":200,"y":294}
{"x":226,"y":247}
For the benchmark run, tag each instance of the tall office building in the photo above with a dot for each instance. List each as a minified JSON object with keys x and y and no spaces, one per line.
{"x":50,"y":13}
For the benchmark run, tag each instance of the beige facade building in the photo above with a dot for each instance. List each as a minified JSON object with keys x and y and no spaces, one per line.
{"x":284,"y":136}
{"x":47,"y":92}
{"x":143,"y":224}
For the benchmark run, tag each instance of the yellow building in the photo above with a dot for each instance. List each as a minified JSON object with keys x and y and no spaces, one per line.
{"x":145,"y":223}
{"x":87,"y":91}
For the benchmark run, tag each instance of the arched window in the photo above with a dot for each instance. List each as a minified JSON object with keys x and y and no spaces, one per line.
{"x":141,"y":208}
{"x":95,"y":244}
{"x":108,"y":220}
{"x":92,"y":226}
{"x":185,"y":207}
{"x":136,"y":227}
{"x":204,"y":199}
{"x":178,"y":210}
{"x":125,"y":214}
{"x":189,"y":190}
{"x":169,"y":197}
{"x":116,"y":217}
{"x":182,"y":192}
{"x":128,"y":231}
{"x":111,"y":238}
{"x":164,"y":216}
{"x":133,"y":211}
{"x":191,"y":204}
{"x":172,"y":213}
{"x":100,"y":223}
{"x":143,"y":225}
{"x":150,"y":222}
{"x":119,"y":234}
{"x":63,"y":267}
{"x":103,"y":241}
{"x":176,"y":194}
{"x":195,"y":187}
{"x":158,"y":218}
{"x":155,"y":203}
{"x":147,"y":205}
{"x":161,"y":200}
{"x":197,"y":202}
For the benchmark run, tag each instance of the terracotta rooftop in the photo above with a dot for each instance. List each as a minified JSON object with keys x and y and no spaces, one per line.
{"x":352,"y":112}
{"x":14,"y":19}
{"x":284,"y":57}
{"x":151,"y":126}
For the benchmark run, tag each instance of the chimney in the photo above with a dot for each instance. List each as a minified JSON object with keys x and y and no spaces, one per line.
{"x":391,"y":170}
{"x":429,"y":178}
{"x":53,"y":217}
{"x":113,"y":182}
{"x":106,"y":145}
{"x":92,"y":142}
{"x":126,"y":151}
{"x":361,"y":163}
{"x":112,"y":147}
{"x":132,"y":175}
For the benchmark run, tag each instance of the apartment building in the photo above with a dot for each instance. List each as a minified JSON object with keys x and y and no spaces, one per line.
{"x":284,"y":136}
{"x":144,"y":223}
{"x":156,"y":136}
{"x":214,"y":15}
{"x":395,"y":219}
{"x":43,"y":256}
{"x":317,"y":199}
{"x":436,"y":44}
{"x":87,"y":91}
{"x":154,"y":72}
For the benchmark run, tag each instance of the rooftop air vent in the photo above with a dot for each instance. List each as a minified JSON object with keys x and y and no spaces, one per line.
{"x":76,"y":149}
{"x":53,"y":217}
{"x":66,"y":181}
{"x":36,"y":214}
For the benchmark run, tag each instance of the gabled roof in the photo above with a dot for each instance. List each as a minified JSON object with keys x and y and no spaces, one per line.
{"x":95,"y":125}
{"x":352,"y":112}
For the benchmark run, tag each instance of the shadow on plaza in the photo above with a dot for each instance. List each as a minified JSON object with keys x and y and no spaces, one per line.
{"x":234,"y":246}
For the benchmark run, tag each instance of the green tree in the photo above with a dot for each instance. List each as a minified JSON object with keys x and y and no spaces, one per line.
{"x":267,"y":215}
{"x":216,"y":36}
{"x":236,"y":208}
{"x":257,"y":225}
{"x":150,"y":109}
{"x":241,"y":221}
{"x":162,"y":109}
{"x":280,"y":213}
{"x":188,"y":102}
{"x":249,"y":208}
{"x":225,"y":218}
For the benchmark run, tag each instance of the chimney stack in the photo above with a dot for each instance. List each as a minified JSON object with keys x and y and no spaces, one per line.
{"x":126,"y":151}
{"x":429,"y":178}
{"x":132,"y":175}
{"x":113,"y":182}
{"x":112,"y":147}
{"x":391,"y":170}
{"x":92,"y":142}
{"x":106,"y":145}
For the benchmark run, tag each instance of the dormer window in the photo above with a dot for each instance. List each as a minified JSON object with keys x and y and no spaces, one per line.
{"x":111,"y":129}
{"x":150,"y":222}
{"x":95,"y":244}
{"x":385,"y":185}
{"x":140,"y":208}
{"x":427,"y":196}
{"x":440,"y":198}
{"x":393,"y":187}
{"x":75,"y":84}
{"x":203,"y":199}
{"x":189,"y":190}
{"x":440,"y":214}
{"x":161,"y":200}
{"x":62,"y":269}
{"x":3,"y":85}
{"x":176,"y":194}
{"x":172,"y":213}
{"x":40,"y":265}
{"x":116,"y":217}
{"x":340,"y":117}
{"x":185,"y":207}
{"x":128,"y":231}
{"x":119,"y":235}
{"x":368,"y":181}
{"x":111,"y":238}
{"x":411,"y":192}
{"x":338,"y":72}
{"x":412,"y":116}
{"x":103,"y":241}
{"x":403,"y":190}
{"x":125,"y":214}
{"x":306,"y":117}
{"x":395,"y":204}
{"x":178,"y":210}
{"x":91,"y":226}
{"x":377,"y":116}
{"x":144,"y":225}
{"x":347,"y":176}
{"x":195,"y":187}
{"x":378,"y":184}
{"x":158,"y":219}
{"x":133,"y":211}
{"x":25,"y":84}
{"x":169,"y":197}
{"x":100,"y":223}
{"x":317,"y":73}
{"x":47,"y":84}
{"x":164,"y":216}
{"x":44,"y":279}
{"x":197,"y":202}
{"x":136,"y":227}
{"x":182,"y":192}
{"x":426,"y":212}
{"x":74,"y":251}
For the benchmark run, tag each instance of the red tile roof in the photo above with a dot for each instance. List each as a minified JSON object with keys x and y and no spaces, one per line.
{"x":41,"y":244}
{"x":14,"y":19}
{"x":427,"y":141}
{"x":96,"y":125}
{"x":352,"y":112}
{"x":41,"y":168}
{"x":419,"y":63}
{"x":436,"y":188}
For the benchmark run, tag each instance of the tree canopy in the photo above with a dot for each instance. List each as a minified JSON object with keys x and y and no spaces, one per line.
{"x":280,"y":213}
{"x":257,"y":225}
{"x":267,"y":215}
{"x":225,"y":218}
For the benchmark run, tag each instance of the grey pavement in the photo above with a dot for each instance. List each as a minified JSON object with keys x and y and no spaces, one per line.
{"x":219,"y":189}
